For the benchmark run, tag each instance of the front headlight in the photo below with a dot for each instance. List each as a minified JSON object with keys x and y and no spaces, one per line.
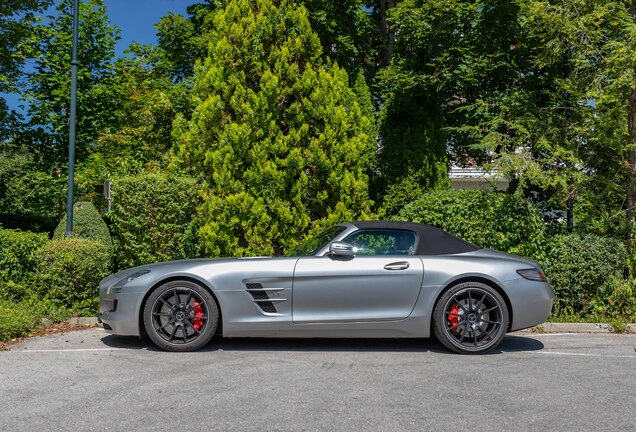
{"x":116,"y":288}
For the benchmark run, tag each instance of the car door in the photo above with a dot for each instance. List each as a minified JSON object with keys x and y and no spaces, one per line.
{"x":382,"y":281}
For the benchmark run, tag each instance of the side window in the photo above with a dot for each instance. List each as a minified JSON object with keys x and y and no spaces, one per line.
{"x":382,"y":242}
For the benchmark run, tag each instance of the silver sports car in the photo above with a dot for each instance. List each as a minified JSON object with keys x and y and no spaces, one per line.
{"x":362,"y":279}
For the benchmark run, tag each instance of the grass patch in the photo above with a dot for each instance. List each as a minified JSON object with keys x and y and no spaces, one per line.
{"x":18,"y":319}
{"x":619,"y":326}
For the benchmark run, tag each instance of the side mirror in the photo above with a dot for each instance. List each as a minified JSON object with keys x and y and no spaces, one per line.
{"x":339,"y":248}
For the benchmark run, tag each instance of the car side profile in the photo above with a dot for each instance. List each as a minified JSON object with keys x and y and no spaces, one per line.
{"x":372,"y":279}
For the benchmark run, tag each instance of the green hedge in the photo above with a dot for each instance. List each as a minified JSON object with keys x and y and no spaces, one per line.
{"x":69,"y":272}
{"x":18,"y":253}
{"x":29,"y":199}
{"x":585,"y":272}
{"x":87,"y":224}
{"x":152,"y":218}
{"x":487,"y":219}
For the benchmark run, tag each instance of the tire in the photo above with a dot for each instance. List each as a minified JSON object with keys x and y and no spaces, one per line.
{"x":470,"y":318}
{"x":180,"y":316}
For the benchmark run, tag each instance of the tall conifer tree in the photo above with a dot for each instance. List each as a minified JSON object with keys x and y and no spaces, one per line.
{"x":278,"y":134}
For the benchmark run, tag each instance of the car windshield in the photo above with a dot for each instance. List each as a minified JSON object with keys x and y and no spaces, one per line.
{"x":314,"y":244}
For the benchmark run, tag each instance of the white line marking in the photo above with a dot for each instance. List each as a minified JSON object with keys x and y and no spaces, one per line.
{"x":579,"y":354}
{"x":551,"y":334}
{"x":65,"y":350}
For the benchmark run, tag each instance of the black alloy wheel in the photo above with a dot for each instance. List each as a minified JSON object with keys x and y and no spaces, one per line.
{"x":180,"y":316}
{"x":470,"y":318}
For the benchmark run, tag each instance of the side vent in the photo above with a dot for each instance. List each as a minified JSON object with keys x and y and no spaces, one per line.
{"x":262,"y":298}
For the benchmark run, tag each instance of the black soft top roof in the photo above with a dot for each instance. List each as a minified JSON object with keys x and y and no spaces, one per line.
{"x":432,"y":241}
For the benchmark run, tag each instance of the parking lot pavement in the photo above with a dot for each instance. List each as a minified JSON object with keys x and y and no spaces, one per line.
{"x":88,"y":380}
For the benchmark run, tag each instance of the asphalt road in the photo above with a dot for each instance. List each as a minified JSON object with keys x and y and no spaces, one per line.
{"x":90,"y":381}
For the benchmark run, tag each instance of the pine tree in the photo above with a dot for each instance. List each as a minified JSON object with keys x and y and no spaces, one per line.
{"x":278,"y":133}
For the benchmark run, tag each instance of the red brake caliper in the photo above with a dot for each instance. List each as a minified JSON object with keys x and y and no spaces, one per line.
{"x":198,"y":312}
{"x":453,"y":317}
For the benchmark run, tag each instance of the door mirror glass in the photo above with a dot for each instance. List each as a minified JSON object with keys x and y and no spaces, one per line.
{"x":339,"y":248}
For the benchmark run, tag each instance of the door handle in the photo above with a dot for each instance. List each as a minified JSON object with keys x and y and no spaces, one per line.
{"x":402,"y":265}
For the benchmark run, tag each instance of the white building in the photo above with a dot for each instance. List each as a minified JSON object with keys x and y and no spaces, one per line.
{"x":477,"y":178}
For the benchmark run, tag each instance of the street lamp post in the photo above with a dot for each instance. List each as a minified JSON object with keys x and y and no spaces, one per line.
{"x":71,"y":136}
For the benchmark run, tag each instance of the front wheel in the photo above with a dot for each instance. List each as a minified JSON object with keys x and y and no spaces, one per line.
{"x":180,"y":316}
{"x":470,"y":318}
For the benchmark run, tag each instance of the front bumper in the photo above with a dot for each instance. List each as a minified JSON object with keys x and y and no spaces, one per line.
{"x":119,"y":310}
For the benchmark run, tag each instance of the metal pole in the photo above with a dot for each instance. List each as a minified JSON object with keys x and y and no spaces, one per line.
{"x":71,"y":136}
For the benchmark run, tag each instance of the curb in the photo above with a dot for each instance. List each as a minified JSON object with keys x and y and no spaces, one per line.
{"x":76,"y":321}
{"x":83,"y":321}
{"x":549,"y":327}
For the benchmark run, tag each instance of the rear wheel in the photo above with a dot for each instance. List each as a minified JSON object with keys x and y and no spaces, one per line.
{"x":180,"y":316}
{"x":470,"y":318}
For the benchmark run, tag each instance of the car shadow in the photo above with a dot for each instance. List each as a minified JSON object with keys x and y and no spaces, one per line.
{"x":511,"y":343}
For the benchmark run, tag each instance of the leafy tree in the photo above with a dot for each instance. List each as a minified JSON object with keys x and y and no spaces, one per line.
{"x":150,"y":86}
{"x":349,"y":33}
{"x":541,"y":90}
{"x":431,"y":63}
{"x":563,"y":127}
{"x":139,"y":138}
{"x":17,"y":43}
{"x":49,"y":84}
{"x":278,"y":134}
{"x":183,"y":40}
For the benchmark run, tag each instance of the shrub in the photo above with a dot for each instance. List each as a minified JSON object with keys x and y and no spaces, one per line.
{"x":621,"y":303}
{"x":152,"y":218}
{"x":87,"y":224}
{"x":18,"y":254}
{"x":585,"y":272}
{"x":69,"y":271}
{"x":30,"y":199}
{"x":17,"y":320}
{"x":487,"y":219}
{"x":12,"y":291}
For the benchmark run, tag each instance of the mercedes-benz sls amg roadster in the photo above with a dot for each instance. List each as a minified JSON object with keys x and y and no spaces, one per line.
{"x":354,"y":280}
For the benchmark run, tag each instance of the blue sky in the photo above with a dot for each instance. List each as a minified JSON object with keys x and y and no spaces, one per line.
{"x":135,"y":19}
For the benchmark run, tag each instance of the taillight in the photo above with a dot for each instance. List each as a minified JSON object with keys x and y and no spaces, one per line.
{"x":532,"y":274}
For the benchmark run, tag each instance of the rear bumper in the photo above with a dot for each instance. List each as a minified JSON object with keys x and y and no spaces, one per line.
{"x":531,"y":302}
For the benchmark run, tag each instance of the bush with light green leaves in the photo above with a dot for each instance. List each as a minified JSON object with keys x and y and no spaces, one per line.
{"x":69,"y":270}
{"x":487,"y":219}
